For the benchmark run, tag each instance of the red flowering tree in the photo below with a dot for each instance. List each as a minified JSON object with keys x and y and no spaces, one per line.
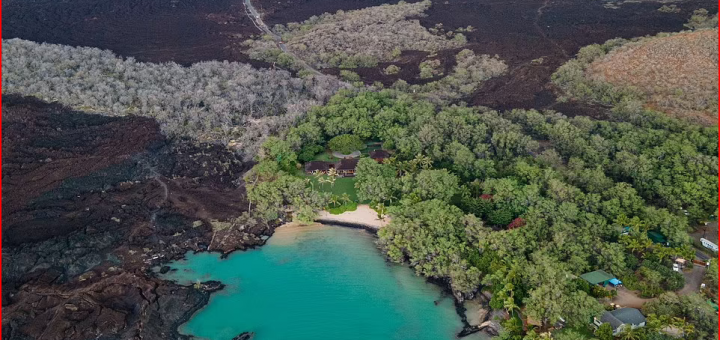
{"x":516,"y":223}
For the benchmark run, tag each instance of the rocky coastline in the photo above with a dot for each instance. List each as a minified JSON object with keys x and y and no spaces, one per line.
{"x":91,"y":204}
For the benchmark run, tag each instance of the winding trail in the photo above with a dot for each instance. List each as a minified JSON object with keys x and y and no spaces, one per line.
{"x":254,"y":16}
{"x":540,"y":30}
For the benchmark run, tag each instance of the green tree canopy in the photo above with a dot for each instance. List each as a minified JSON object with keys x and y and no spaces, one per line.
{"x":346,"y":143}
{"x":432,"y":184}
{"x":431,"y":235}
{"x":376,"y":182}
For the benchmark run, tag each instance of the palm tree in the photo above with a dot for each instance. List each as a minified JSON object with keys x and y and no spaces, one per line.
{"x":345,"y":198}
{"x":334,"y":200}
{"x":331,"y":180}
{"x":401,"y":167}
{"x":318,"y":175}
{"x":380,"y":208}
{"x":629,"y":333}
{"x":322,"y":181}
{"x":510,"y":305}
{"x":424,"y":161}
{"x":312,"y":185}
{"x":683,"y":325}
{"x":412,"y":165}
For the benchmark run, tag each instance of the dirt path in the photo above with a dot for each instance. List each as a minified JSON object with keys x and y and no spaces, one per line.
{"x":628,"y":298}
{"x":541,"y":31}
{"x":254,"y":16}
{"x":363,"y":216}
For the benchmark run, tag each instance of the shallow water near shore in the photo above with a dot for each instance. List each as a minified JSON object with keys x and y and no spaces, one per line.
{"x":316,"y":282}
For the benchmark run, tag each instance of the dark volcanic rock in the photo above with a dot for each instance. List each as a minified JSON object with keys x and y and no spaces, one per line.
{"x":90,"y":204}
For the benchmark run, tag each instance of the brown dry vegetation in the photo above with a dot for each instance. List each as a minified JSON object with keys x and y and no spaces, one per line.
{"x":678,"y":74}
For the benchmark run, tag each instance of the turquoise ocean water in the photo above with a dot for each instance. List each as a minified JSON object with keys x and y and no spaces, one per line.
{"x":318,"y":283}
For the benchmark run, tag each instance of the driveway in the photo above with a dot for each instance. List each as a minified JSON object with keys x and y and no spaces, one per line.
{"x":628,"y":298}
{"x":693,"y":279}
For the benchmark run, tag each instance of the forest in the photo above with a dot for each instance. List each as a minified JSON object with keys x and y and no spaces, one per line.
{"x":519,"y":203}
{"x":231,"y":103}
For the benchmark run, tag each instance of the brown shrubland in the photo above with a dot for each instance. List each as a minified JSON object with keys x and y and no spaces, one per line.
{"x":676,"y":73}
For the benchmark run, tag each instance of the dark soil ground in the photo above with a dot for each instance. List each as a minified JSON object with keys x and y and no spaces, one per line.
{"x":518,"y":31}
{"x":148,"y":30}
{"x":90,"y":205}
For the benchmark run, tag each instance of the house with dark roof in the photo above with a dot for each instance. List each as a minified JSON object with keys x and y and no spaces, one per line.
{"x":346,"y":167}
{"x":379,"y":155}
{"x":622,"y":318}
{"x":601,"y":277}
{"x":314,"y":167}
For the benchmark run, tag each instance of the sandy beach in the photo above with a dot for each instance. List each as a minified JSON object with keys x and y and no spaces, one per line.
{"x":364,"y":215}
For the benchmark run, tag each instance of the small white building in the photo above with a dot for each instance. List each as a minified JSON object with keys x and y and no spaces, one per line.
{"x":708,"y":244}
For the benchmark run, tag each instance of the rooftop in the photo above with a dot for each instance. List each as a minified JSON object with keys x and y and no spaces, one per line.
{"x":347,"y":164}
{"x":598,"y":276}
{"x":317,"y":165}
{"x":618,"y":317}
{"x":379,"y":154}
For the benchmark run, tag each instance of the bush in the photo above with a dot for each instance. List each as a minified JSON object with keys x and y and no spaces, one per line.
{"x":349,"y":75}
{"x":700,"y":19}
{"x":346,"y":144}
{"x":350,"y":206}
{"x":392,"y":69}
{"x":307,"y":153}
{"x":430,"y":68}
{"x":500,"y":216}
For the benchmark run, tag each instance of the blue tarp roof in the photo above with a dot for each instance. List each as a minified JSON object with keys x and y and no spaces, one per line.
{"x":615,"y":281}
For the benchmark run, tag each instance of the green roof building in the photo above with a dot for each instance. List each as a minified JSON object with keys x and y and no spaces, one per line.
{"x":657,"y":237}
{"x":600,"y":277}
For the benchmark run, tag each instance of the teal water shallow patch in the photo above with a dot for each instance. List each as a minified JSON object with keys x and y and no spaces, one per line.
{"x":317,"y":282}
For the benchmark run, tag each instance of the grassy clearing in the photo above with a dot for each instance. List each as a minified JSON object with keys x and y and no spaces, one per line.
{"x":343,"y":185}
{"x":585,"y":331}
{"x":326,"y":156}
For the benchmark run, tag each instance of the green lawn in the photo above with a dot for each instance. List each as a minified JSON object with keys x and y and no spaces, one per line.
{"x":326,"y":156}
{"x":586,"y":331}
{"x":342,"y":185}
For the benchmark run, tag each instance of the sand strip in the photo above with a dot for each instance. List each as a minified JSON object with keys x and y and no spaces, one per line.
{"x":363,"y":216}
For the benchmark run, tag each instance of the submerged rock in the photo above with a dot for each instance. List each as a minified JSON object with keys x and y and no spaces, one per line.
{"x":475,"y":311}
{"x":244,"y":336}
{"x":491,"y":327}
